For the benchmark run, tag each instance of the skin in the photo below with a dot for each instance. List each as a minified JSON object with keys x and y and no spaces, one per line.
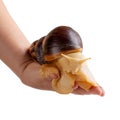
{"x":14,"y":53}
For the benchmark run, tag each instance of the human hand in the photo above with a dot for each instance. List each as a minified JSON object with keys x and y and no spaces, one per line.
{"x":32,"y":77}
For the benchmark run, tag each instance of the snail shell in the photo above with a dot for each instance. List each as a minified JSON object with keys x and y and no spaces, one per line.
{"x":62,"y":39}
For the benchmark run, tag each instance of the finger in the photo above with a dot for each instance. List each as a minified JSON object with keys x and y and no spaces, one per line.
{"x":98,"y":90}
{"x":46,"y":82}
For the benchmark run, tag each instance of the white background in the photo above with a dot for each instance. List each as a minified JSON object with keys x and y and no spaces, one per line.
{"x":98,"y":22}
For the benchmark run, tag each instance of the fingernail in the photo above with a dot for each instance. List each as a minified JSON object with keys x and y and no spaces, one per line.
{"x":98,"y":90}
{"x":54,"y":76}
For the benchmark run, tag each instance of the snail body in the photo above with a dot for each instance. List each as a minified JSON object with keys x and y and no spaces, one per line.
{"x":62,"y":49}
{"x":74,"y":70}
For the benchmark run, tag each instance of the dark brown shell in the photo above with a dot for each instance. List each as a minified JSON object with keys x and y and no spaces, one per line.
{"x":62,"y":39}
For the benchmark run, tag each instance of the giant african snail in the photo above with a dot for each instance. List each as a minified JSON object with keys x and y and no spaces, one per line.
{"x":62,"y":49}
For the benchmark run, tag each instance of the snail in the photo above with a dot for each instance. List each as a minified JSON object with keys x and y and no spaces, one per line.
{"x":62,"y":48}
